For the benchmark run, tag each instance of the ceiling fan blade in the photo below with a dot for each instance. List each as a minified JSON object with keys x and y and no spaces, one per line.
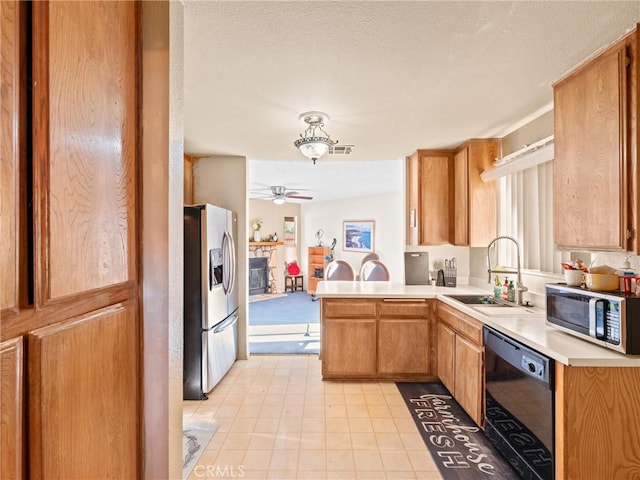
{"x":288,"y":194}
{"x":300,"y":197}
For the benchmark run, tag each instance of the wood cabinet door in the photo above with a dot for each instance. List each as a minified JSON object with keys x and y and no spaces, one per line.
{"x":404,"y":346}
{"x":12,"y":164}
{"x":446,"y":348}
{"x":590,"y":190}
{"x":461,"y":197}
{"x":84,"y":135}
{"x":468,"y":380}
{"x":435,"y":198}
{"x":349,"y":347}
{"x":11,"y":415}
{"x":83,"y":408}
{"x":482,"y":197}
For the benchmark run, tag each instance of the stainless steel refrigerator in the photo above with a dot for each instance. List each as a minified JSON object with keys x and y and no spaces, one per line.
{"x":210,"y":298}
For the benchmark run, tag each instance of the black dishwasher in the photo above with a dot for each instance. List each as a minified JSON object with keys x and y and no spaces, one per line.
{"x":520,"y":405}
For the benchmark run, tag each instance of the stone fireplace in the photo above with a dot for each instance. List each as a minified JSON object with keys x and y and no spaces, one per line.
{"x":267,"y":251}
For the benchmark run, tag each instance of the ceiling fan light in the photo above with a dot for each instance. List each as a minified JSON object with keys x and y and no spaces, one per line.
{"x":279,"y":200}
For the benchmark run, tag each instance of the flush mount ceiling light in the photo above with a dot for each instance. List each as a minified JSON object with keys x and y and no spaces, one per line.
{"x":311,"y":143}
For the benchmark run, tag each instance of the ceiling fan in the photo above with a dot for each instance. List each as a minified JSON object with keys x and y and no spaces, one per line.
{"x":280,"y":194}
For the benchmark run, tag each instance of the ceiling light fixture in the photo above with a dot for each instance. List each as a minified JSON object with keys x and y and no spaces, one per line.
{"x":279,"y":200}
{"x":312,"y":144}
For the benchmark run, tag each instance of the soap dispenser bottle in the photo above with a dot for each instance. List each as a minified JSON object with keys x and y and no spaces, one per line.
{"x":505,"y":289}
{"x":511,"y":291}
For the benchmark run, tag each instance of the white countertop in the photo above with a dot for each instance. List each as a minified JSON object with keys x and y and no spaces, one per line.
{"x":530,"y":329}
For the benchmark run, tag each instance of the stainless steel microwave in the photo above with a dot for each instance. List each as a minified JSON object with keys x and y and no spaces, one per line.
{"x":609,"y":319}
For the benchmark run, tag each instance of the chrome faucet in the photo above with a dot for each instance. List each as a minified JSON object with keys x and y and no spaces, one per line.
{"x":520,"y":288}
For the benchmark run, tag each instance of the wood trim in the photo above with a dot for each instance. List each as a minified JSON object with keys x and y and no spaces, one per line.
{"x":13,"y":177}
{"x":267,"y":244}
{"x":586,"y":63}
{"x":41,"y":177}
{"x":12,"y":461}
{"x":33,"y":318}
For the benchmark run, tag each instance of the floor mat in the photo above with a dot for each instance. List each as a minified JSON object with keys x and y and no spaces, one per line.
{"x":195,"y":438}
{"x":457,"y":445}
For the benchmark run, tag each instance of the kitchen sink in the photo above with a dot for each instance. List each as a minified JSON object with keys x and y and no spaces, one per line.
{"x":479,"y":300}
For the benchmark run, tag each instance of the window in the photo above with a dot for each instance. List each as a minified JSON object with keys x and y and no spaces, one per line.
{"x":526,"y":214}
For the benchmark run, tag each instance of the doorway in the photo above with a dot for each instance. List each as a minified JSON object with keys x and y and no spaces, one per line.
{"x":285,"y":323}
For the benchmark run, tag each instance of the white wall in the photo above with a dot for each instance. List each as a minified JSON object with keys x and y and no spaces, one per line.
{"x":222,"y":181}
{"x":385,"y":210}
{"x":272,"y":217}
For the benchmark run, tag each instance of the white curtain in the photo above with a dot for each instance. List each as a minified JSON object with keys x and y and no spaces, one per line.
{"x":526,"y":214}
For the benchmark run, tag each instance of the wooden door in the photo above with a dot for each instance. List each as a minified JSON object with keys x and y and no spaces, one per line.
{"x":79,"y":254}
{"x":446,"y":347}
{"x":435,"y":198}
{"x":12,"y":460}
{"x":468,"y":381}
{"x":83,"y":379}
{"x":590,"y":191}
{"x":461,"y":197}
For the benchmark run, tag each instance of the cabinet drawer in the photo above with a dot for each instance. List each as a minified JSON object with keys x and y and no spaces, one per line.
{"x":348,"y":308}
{"x":404,"y":308}
{"x":463,"y":324}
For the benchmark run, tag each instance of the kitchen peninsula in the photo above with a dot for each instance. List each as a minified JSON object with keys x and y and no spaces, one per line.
{"x":383,"y":330}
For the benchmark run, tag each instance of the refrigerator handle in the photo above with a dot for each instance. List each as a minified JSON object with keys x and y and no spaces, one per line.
{"x":225,"y":264}
{"x":226,"y":324}
{"x":232,"y":257}
{"x":229,"y":263}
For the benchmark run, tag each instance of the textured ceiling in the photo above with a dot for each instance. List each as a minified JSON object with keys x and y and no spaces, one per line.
{"x":393,"y":76}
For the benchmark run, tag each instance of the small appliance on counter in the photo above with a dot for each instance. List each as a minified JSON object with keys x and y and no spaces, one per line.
{"x":609,"y":319}
{"x":416,"y":268}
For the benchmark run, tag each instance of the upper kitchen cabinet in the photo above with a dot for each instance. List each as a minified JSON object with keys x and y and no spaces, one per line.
{"x":429,"y":197}
{"x":447,"y":202}
{"x":595,"y":166}
{"x":475,"y":202}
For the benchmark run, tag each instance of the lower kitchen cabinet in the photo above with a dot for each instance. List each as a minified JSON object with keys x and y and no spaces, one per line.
{"x":349,"y":348}
{"x":404,"y":337}
{"x":597,"y":426}
{"x":461,"y":359}
{"x":376,"y":338}
{"x":446,"y":356}
{"x":469,"y":378}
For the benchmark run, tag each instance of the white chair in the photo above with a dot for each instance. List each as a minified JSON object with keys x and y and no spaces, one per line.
{"x":338,"y":270}
{"x":367,"y":257}
{"x":374,"y":271}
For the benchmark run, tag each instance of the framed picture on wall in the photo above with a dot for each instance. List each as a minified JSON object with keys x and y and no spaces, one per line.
{"x":358,"y":236}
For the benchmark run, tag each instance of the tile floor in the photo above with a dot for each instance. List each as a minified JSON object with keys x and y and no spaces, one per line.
{"x":279,"y":420}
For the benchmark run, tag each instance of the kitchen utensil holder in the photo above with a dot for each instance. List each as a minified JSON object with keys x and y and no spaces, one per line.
{"x":450,"y":277}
